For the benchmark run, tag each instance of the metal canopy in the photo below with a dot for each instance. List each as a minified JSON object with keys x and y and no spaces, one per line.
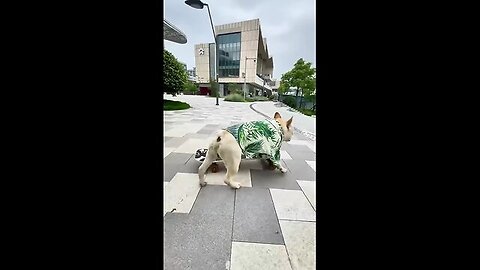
{"x":172,"y":33}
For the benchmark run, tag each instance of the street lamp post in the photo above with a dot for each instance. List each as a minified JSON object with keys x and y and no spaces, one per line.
{"x":245,"y":75}
{"x":199,"y":5}
{"x":263,"y":89}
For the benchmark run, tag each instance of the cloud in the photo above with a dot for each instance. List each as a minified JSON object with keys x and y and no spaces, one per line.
{"x":289,"y":27}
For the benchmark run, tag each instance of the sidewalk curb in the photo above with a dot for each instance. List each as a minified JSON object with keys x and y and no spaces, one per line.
{"x":307,"y":134}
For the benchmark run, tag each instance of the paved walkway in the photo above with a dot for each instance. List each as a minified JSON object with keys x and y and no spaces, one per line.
{"x":269,"y":223}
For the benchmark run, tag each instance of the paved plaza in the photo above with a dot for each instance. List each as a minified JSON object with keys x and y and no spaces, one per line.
{"x":269,"y":223}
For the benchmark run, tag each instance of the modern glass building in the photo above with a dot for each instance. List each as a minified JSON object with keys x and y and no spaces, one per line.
{"x":243,"y":58}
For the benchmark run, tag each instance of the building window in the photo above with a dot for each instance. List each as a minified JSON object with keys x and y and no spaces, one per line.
{"x":229,"y":55}
{"x":212,"y":60}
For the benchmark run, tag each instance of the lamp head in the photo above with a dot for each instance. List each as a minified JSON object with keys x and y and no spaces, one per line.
{"x":195,"y":4}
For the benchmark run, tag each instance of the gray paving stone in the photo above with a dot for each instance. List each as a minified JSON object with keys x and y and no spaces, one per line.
{"x":196,"y":242}
{"x":208,"y":130}
{"x":300,"y":169}
{"x":210,"y":126}
{"x":201,"y":239}
{"x":197,"y":120}
{"x":175,"y":142}
{"x":274,"y":179}
{"x":169,"y":172}
{"x":167,"y":139}
{"x":191,"y":166}
{"x":174,"y":163}
{"x":299,"y":152}
{"x":168,"y":126}
{"x":300,"y":136}
{"x":196,"y":136}
{"x":285,"y":146}
{"x":214,"y":200}
{"x":255,"y":219}
{"x":177,"y":158}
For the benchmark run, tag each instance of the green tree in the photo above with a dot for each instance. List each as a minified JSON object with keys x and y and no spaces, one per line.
{"x":301,"y":76}
{"x":174,"y":75}
{"x":283,"y":88}
{"x":213,"y":87}
{"x":190,"y":88}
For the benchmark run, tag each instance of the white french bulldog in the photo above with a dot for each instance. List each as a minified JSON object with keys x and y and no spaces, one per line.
{"x":255,"y":139}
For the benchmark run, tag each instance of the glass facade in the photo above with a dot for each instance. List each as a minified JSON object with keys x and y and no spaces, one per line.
{"x":229,"y":55}
{"x":212,"y":60}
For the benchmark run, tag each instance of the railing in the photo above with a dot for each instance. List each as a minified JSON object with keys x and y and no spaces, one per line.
{"x":260,"y":81}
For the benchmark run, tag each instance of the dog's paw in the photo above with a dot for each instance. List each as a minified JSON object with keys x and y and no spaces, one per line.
{"x":235,"y":185}
{"x":271,"y":167}
{"x":202,"y":184}
{"x":283,"y":170}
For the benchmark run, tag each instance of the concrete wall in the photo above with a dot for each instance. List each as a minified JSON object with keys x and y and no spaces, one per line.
{"x":249,"y":48}
{"x":202,"y":63}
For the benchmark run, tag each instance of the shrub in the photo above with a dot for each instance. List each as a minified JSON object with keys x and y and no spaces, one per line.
{"x":235,"y":98}
{"x":290,"y":101}
{"x":234,"y":88}
{"x":236,"y":91}
{"x":260,"y":98}
{"x":307,"y":111}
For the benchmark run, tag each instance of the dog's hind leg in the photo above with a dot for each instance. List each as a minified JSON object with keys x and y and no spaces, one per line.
{"x":275,"y":161}
{"x":232,"y":170}
{"x":210,"y":158}
{"x":232,"y":162}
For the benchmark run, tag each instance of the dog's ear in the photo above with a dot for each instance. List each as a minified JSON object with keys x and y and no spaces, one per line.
{"x":289,"y":122}
{"x":277,"y":115}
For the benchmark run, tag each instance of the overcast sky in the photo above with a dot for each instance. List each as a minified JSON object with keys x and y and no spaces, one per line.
{"x":288,"y":25}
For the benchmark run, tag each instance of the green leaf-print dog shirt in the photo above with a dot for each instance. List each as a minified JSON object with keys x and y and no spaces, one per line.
{"x":259,"y":139}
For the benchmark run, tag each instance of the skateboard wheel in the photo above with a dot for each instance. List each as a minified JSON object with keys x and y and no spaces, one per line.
{"x":214,"y":167}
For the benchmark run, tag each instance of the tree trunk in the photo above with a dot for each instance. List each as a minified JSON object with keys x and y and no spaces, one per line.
{"x":301,"y":99}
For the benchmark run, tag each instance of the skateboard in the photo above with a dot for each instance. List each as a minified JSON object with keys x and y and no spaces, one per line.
{"x":201,"y":154}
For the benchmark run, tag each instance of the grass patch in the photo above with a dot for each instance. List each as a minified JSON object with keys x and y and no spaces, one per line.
{"x":170,"y":105}
{"x":306,"y":111}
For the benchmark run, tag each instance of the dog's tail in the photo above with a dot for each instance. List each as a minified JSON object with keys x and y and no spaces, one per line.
{"x":219,"y":136}
{"x":212,"y":154}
